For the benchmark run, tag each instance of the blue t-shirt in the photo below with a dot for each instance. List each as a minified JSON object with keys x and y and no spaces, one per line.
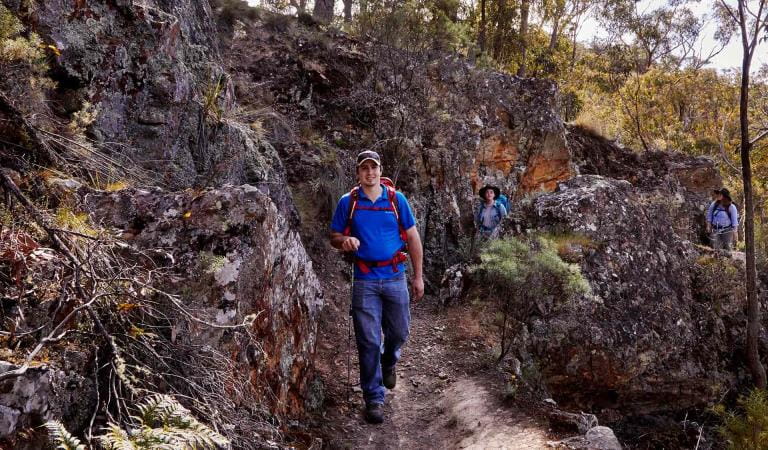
{"x":378,"y":231}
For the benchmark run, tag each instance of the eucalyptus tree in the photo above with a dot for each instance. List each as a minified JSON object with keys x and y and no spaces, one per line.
{"x":749,"y":20}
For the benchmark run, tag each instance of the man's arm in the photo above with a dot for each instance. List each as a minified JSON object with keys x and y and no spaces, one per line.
{"x":417,"y":257}
{"x":346,"y":243}
{"x":709,"y":217}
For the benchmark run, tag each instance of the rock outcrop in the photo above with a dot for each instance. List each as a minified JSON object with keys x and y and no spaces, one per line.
{"x":661,"y":329}
{"x":663,"y":326}
{"x":150,"y":79}
{"x":233,"y":256}
{"x":43,"y":393}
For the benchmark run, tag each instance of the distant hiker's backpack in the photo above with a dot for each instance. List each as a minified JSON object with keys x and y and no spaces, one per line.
{"x":722,"y":208}
{"x":354,"y":205}
{"x":504,"y":201}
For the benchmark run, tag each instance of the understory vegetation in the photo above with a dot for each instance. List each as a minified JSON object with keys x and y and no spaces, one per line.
{"x":747,"y":427}
{"x":162,"y":424}
{"x":522,"y":278}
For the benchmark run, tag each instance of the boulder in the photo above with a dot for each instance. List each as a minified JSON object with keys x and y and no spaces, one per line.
{"x":597,"y":438}
{"x":663,"y":323}
{"x":233,"y":256}
{"x":40,"y":394}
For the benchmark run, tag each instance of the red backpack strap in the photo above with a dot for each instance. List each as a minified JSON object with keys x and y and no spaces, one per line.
{"x":392,"y":196}
{"x":353,"y":196}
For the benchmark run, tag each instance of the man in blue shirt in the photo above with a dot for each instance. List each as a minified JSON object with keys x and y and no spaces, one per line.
{"x":381,"y":224}
{"x":722,"y":221}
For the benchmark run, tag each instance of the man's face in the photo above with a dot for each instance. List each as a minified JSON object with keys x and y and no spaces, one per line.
{"x":369,"y":173}
{"x":489,"y":195}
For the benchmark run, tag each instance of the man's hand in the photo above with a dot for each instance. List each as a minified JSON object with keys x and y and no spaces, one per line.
{"x":350,"y":244}
{"x":417,"y":283}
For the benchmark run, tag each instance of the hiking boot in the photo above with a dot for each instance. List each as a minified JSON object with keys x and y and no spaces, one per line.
{"x":374,"y":413}
{"x":390,"y":378}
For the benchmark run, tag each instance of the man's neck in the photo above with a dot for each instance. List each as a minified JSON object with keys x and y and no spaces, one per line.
{"x":372,"y":192}
{"x":488,"y":202}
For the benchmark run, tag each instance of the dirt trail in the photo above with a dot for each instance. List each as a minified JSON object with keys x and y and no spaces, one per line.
{"x":443,"y":399}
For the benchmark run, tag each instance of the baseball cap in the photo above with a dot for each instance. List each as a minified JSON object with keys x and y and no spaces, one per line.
{"x":366,"y":155}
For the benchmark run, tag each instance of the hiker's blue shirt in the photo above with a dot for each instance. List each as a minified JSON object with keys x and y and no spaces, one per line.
{"x":498,"y":213}
{"x":719,"y":218}
{"x":378,"y":231}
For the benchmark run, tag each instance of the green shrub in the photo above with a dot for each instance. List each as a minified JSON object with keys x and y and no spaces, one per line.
{"x":747,"y":429}
{"x":519,"y":276}
{"x":15,"y":48}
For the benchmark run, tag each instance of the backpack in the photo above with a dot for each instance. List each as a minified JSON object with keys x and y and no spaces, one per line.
{"x":504,"y":201}
{"x":400,"y":255}
{"x":726,"y":210}
{"x":497,"y":204}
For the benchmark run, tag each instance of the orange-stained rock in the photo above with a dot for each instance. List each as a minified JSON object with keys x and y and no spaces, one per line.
{"x":547,"y":168}
{"x":498,"y":153}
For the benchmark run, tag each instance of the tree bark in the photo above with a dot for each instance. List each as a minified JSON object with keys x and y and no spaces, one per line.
{"x":347,"y":11}
{"x":553,"y":37}
{"x":301,"y":6}
{"x":524,"y":7}
{"x":481,"y":35}
{"x":753,"y":307}
{"x":323,"y":11}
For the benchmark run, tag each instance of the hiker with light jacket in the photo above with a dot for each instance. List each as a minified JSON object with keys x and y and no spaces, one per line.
{"x":374,"y":223}
{"x":489,"y":212}
{"x":722,"y":221}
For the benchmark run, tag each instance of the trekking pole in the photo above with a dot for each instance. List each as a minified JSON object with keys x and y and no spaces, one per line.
{"x":349,"y":334}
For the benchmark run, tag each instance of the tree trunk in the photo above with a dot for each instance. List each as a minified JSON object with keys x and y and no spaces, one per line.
{"x":347,"y":11}
{"x":481,"y":35}
{"x":301,"y":6}
{"x":524,"y":6}
{"x":753,"y":307}
{"x":555,"y":35}
{"x":323,"y":11}
{"x":573,"y":48}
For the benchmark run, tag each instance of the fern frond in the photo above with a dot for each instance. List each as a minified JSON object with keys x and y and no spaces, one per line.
{"x":116,"y":438}
{"x":160,"y":409}
{"x":165,"y":425}
{"x":61,"y":437}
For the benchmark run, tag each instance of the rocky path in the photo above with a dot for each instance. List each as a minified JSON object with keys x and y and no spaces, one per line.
{"x":443,"y":399}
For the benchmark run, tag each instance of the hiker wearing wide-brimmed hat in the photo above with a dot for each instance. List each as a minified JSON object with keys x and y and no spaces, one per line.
{"x":489,"y":212}
{"x":722,"y":221}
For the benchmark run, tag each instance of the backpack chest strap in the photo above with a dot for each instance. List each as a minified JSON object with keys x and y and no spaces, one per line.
{"x":355,"y":205}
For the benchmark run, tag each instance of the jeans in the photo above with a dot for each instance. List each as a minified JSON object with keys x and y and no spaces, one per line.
{"x":379,"y":305}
